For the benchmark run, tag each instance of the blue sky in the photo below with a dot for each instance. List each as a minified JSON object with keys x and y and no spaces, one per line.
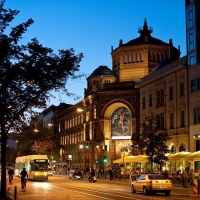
{"x":91,"y":27}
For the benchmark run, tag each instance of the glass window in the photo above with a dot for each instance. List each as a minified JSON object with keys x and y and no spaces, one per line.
{"x":134,"y":58}
{"x":197,"y":115}
{"x":182,"y":118}
{"x":192,"y":58}
{"x":191,"y":41}
{"x":150,"y":100}
{"x":162,"y":56}
{"x":157,"y":98}
{"x":143,"y":102}
{"x":138,"y":57}
{"x":193,"y":85}
{"x":171,"y":92}
{"x":197,"y":145}
{"x":162,"y":121}
{"x":129,"y":58}
{"x":151,"y":57}
{"x":154,"y":57}
{"x":162,"y":97}
{"x":171,"y":120}
{"x":182,"y":89}
{"x":125,"y":59}
{"x":190,"y":17}
{"x":141,"y":57}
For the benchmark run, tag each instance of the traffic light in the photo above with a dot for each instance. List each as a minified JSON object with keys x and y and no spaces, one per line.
{"x":97,"y":161}
{"x":87,"y":145}
{"x":105,"y":147}
{"x":104,"y":159}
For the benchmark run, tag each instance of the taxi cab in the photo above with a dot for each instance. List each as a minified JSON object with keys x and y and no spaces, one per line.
{"x":154,"y":183}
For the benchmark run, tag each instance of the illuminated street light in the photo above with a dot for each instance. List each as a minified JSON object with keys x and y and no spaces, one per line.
{"x":99,"y":148}
{"x":51,"y":156}
{"x":62,"y":133}
{"x":81,"y":110}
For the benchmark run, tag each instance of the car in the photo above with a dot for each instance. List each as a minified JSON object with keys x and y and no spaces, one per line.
{"x":152,"y":183}
{"x":75,"y":174}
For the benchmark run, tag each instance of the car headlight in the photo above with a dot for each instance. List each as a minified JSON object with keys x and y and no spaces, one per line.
{"x":45,"y":173}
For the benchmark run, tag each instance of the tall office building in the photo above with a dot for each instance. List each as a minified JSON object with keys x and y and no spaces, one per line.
{"x":193,"y":31}
{"x":193,"y":55}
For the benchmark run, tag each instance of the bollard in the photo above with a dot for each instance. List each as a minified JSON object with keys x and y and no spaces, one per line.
{"x":15,"y":193}
{"x":196,"y":186}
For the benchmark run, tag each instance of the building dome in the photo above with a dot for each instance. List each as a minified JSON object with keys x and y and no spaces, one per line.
{"x":102,"y":70}
{"x":145,"y":37}
{"x":162,"y":64}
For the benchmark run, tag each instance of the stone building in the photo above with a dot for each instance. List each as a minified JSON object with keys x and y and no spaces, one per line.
{"x":109,"y":123}
{"x":164,"y":93}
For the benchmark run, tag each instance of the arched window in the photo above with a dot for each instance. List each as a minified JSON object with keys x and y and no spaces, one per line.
{"x":182,"y":148}
{"x":173,"y":149}
{"x":155,"y":57}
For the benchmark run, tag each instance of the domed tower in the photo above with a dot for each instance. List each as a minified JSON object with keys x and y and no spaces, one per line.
{"x":138,"y":57}
{"x":101,"y":75}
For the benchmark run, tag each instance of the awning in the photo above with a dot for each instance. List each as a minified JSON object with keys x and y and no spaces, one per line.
{"x":141,"y":158}
{"x":195,"y":156}
{"x":131,"y":159}
{"x":118,"y":160}
{"x":180,"y":156}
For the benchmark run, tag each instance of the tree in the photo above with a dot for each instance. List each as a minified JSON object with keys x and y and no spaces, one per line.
{"x":28,"y":74}
{"x":153,"y":142}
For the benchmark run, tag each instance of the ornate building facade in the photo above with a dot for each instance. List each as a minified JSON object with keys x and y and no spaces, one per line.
{"x":109,"y":121}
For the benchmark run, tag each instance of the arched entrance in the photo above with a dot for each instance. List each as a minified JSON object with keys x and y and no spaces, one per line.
{"x":119,"y":125}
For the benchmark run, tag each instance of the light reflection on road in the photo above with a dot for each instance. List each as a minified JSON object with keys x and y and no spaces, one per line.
{"x":42,"y":185}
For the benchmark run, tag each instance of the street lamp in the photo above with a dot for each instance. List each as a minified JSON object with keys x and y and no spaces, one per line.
{"x":98,"y":147}
{"x":102,"y":128}
{"x":63,"y":132}
{"x":51,"y":155}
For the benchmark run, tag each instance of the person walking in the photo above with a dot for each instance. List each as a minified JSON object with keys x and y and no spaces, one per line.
{"x":111,"y":174}
{"x":185,"y":178}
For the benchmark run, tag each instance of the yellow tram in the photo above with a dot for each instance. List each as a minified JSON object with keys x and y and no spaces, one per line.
{"x":36,"y":166}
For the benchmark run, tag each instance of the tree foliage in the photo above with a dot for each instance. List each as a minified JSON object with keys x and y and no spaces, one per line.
{"x":153,"y":142}
{"x":28,"y":74}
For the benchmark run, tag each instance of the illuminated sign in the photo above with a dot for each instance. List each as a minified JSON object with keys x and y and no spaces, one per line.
{"x":121,"y":124}
{"x":40,"y":161}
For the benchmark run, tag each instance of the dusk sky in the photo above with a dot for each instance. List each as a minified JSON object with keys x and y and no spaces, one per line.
{"x":91,"y":27}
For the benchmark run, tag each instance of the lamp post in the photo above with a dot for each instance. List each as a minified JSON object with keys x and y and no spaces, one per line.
{"x":98,"y":147}
{"x":63,"y":132}
{"x":102,"y":128}
{"x":51,"y":153}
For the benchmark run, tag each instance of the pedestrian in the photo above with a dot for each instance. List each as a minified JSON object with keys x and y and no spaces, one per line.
{"x":111,"y":174}
{"x":185,"y":178}
{"x":99,"y":173}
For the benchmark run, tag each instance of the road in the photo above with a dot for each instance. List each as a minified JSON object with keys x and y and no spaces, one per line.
{"x":62,"y":188}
